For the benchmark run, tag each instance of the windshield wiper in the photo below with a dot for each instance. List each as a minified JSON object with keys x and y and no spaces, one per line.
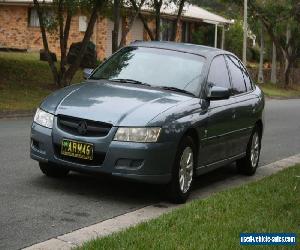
{"x":129,"y":81}
{"x":177,"y":90}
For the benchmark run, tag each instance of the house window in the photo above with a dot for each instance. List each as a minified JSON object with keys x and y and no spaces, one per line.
{"x":33,"y":18}
{"x":167,"y":29}
{"x":185,"y":36}
{"x":82,"y":23}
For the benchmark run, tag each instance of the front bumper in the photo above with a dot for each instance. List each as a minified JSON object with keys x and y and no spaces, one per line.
{"x":146,"y":162}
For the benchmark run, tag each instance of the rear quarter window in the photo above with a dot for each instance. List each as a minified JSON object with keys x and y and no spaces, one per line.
{"x":247,"y":77}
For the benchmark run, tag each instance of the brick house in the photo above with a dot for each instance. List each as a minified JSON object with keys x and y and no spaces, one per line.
{"x":19,"y":27}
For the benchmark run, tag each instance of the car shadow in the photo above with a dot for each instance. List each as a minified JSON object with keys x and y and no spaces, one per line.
{"x":109,"y":188}
{"x":100,"y":186}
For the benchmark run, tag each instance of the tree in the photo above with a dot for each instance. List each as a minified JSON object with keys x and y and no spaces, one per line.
{"x":132,"y":18}
{"x":63,"y":13}
{"x":131,"y":14}
{"x":117,"y":18}
{"x":143,"y":19}
{"x":274,"y":64}
{"x":278,"y":17}
{"x":156,"y":6}
{"x":261,"y":56}
{"x":234,"y":40}
{"x":180,"y":4}
{"x":283,"y":28}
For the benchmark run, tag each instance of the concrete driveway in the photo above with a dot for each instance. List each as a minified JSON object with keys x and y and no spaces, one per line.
{"x":35,"y":208}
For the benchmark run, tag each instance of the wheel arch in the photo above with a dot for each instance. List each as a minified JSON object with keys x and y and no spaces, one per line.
{"x":192,"y":132}
{"x":260,"y":126}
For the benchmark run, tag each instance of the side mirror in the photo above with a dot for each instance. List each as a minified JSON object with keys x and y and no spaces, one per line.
{"x":87,"y":73}
{"x":218,"y":93}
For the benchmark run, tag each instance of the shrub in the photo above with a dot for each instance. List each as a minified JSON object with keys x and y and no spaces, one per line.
{"x":234,"y":38}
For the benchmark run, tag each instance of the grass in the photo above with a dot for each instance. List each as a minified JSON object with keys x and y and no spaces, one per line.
{"x":277,"y":91}
{"x":25,"y":81}
{"x":268,"y":205}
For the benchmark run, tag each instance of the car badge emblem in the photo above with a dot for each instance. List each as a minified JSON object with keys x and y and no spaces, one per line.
{"x":82,"y":128}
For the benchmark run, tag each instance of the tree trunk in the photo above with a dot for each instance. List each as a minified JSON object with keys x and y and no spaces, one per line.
{"x":274,"y":65}
{"x":157,"y":6}
{"x":115,"y":32}
{"x":63,"y":37}
{"x":157,"y":26}
{"x":45,"y":42}
{"x":146,"y":26}
{"x":261,"y":57}
{"x":177,"y":25}
{"x":87,"y":36}
{"x":245,"y":32}
{"x":287,"y":74}
{"x":125,"y":31}
{"x":288,"y":63}
{"x":286,"y":50}
{"x":130,"y":24}
{"x":288,"y":37}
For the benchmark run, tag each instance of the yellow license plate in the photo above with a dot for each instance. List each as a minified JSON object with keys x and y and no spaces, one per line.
{"x":77,"y":149}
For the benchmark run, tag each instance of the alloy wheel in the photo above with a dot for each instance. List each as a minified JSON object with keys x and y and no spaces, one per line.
{"x":255,"y":147}
{"x":186,"y":169}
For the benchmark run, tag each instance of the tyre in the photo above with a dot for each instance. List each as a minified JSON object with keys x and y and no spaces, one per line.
{"x":249,"y":163}
{"x":183,"y":172}
{"x":52,"y":170}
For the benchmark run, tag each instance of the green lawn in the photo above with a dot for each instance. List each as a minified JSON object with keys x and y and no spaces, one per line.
{"x":24,"y":81}
{"x":268,"y":205}
{"x":275,"y":91}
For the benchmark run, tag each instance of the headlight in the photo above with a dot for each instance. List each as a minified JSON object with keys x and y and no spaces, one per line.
{"x":43,"y":118}
{"x":137,"y":134}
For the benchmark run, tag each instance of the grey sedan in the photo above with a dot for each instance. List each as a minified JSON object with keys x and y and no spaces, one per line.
{"x":155,"y":112}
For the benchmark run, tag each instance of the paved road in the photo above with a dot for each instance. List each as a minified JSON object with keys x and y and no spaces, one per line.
{"x":34,"y":208}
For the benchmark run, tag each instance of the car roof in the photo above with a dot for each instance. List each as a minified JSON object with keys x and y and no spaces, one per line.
{"x":201,"y":50}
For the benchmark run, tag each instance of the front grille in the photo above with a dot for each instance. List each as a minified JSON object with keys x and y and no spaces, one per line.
{"x":98,"y":158}
{"x":93,"y":129}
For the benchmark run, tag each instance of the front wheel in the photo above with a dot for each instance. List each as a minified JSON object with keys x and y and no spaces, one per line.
{"x":52,"y":170}
{"x":183,"y":171}
{"x":249,"y":163}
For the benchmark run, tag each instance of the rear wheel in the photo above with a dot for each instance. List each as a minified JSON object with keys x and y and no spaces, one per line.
{"x":53,"y":170}
{"x":249,"y":163}
{"x":183,"y":171}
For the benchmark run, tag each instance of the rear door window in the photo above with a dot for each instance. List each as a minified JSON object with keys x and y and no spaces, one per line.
{"x":237,"y":78}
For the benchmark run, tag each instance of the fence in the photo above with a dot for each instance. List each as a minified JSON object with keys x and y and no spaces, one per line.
{"x":280,"y":75}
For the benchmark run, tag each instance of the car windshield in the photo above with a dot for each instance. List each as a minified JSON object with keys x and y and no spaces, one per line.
{"x":157,"y":67}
